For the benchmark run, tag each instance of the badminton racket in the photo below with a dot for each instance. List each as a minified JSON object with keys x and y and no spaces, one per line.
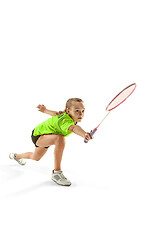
{"x":116,"y":101}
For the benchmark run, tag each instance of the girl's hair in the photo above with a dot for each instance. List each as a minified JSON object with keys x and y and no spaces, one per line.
{"x":69,"y":104}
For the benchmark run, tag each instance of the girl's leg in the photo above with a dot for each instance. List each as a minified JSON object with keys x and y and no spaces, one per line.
{"x":59,"y":142}
{"x":43,"y":141}
{"x":36,"y":155}
{"x":58,"y":153}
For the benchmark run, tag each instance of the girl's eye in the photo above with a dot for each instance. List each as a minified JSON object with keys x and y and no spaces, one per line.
{"x":78,"y":111}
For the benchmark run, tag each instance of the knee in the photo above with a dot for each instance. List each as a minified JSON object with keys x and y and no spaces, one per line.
{"x":61,"y":140}
{"x":36,"y":158}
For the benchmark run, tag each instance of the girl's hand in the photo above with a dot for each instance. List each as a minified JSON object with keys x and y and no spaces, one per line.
{"x":87,"y":137}
{"x":41,"y":108}
{"x":60,"y":112}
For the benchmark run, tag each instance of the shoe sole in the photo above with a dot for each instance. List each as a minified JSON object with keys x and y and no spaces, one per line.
{"x":61,"y":184}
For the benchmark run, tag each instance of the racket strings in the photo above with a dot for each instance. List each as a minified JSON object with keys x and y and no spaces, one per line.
{"x":121,"y":97}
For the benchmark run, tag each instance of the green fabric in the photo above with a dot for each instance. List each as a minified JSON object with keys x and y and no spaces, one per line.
{"x":55,"y":125}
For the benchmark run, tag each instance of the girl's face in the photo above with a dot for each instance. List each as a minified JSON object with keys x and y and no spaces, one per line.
{"x":76,"y":111}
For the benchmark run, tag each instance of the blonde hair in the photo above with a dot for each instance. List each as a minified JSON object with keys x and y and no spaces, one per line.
{"x":69,"y":104}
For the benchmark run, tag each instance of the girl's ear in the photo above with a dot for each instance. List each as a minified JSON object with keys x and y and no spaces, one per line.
{"x":67,"y":110}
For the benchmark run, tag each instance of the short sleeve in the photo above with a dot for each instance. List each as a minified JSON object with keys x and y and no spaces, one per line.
{"x":64,"y":125}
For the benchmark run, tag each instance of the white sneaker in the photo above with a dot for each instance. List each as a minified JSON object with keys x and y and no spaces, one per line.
{"x":20,"y":161}
{"x":60,"y":179}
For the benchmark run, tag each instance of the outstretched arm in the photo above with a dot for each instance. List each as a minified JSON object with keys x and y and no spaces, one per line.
{"x":43,"y":109}
{"x":79,"y":131}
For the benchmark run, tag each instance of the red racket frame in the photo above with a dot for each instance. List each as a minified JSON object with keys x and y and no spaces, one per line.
{"x":95,"y":129}
{"x":133,"y":84}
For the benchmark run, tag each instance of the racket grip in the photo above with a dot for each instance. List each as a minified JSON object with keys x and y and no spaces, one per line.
{"x":91,"y":134}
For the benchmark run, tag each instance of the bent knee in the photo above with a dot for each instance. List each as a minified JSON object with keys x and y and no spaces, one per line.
{"x":61,"y":140}
{"x":36,"y":158}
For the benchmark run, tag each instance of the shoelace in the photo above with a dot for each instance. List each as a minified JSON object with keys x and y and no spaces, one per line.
{"x":62,"y":176}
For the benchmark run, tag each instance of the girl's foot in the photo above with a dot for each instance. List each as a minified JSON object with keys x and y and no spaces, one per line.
{"x":59,"y":178}
{"x":13,"y":157}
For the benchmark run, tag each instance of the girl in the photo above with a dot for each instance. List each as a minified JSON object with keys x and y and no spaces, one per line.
{"x":53,"y":132}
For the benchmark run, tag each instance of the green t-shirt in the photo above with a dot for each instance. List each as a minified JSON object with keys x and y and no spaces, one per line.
{"x":55,"y":125}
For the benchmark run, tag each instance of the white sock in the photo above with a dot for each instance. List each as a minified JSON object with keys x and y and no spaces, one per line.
{"x":57,"y":171}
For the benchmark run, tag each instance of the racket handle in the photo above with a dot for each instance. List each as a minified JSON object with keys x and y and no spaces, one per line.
{"x":91,"y":134}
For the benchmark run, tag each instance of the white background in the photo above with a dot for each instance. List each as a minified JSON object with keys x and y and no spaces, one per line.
{"x":54,"y":50}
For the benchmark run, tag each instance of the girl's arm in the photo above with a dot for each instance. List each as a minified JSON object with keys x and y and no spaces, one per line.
{"x":79,"y":131}
{"x":43,"y":109}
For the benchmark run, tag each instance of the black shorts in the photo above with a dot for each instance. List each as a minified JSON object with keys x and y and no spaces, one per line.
{"x":35,"y":138}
